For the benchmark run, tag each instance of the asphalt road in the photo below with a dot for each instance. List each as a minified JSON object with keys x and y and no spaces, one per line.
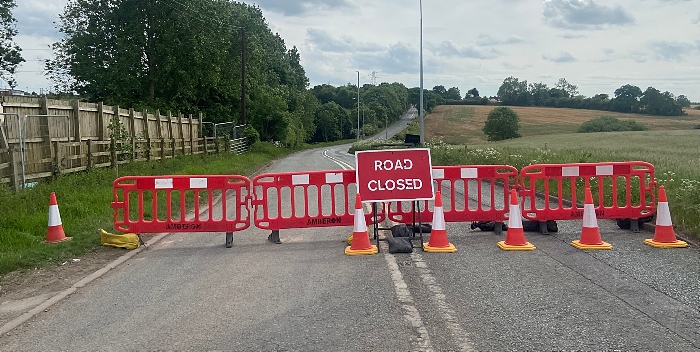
{"x":189,"y":292}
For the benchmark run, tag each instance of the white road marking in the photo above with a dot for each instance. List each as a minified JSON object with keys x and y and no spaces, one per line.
{"x":438,"y":297}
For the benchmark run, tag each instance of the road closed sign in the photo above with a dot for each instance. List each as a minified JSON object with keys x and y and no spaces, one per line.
{"x":394,"y":175}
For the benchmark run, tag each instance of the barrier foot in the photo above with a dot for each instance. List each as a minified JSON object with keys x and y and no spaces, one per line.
{"x":141,"y":243}
{"x":274,"y":237}
{"x":498,"y":229}
{"x":634,"y":225}
{"x":229,"y":239}
{"x":543,"y":228}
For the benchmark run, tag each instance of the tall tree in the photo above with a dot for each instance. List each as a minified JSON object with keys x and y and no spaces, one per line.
{"x":627,"y":98}
{"x":10,"y":52}
{"x":472,"y":93}
{"x":514,"y":92}
{"x":135,"y":53}
{"x":453,"y":94}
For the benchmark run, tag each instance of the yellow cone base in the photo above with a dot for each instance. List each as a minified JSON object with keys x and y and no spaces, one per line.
{"x":579,"y":245}
{"x":449,"y":249}
{"x":677,"y":244}
{"x":372,"y":250}
{"x":507,"y":247}
{"x":61,"y":240}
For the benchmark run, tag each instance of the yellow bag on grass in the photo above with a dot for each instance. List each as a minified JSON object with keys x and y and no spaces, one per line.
{"x":126,"y":240}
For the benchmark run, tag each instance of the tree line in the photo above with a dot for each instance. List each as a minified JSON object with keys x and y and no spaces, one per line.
{"x":627,"y":99}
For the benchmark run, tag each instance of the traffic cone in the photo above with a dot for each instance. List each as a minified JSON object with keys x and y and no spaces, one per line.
{"x":55,"y":233}
{"x":515,"y":237}
{"x":664,"y":236}
{"x":590,"y":234}
{"x":360,"y":237}
{"x":438,"y":235}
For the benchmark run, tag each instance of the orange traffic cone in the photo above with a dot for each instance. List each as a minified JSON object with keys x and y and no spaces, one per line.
{"x":360,"y":237}
{"x":664,"y":236}
{"x":590,"y":234}
{"x":55,"y":233}
{"x":438,"y":235}
{"x":515,"y":237}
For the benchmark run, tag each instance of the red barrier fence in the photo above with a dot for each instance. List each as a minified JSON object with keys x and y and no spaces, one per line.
{"x":621,"y":190}
{"x":157,"y":204}
{"x":469,"y":193}
{"x":299,"y":199}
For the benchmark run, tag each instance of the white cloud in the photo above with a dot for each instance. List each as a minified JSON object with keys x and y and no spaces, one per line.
{"x":584,"y":14}
{"x":563,"y":57}
{"x":465,"y":44}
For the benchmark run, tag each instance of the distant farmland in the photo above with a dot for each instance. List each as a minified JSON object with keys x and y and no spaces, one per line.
{"x":459,"y":124}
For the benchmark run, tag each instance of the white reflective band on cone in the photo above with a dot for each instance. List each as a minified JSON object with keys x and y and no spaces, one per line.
{"x":54,"y":216}
{"x":438,"y":219}
{"x":663,"y":215}
{"x":360,"y":225}
{"x":514,"y":219}
{"x":589,"y":219}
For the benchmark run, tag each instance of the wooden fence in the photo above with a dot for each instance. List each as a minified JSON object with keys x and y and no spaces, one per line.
{"x":58,"y":136}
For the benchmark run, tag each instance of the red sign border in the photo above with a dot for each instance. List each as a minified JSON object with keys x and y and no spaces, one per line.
{"x":432,"y":180}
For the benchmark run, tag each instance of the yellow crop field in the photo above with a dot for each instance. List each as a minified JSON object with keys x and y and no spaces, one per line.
{"x":460,"y":124}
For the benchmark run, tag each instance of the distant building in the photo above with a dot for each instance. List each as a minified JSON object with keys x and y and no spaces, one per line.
{"x":6,"y":92}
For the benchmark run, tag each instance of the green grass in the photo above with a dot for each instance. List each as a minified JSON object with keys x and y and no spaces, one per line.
{"x":84,"y":203}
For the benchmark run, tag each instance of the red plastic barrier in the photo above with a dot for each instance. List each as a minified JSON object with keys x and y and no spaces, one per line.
{"x":158,"y":204}
{"x":469,"y":193}
{"x":306,"y":199}
{"x":621,"y":190}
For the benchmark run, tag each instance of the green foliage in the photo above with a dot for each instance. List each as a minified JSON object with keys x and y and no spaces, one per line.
{"x":251,"y":135}
{"x":10,"y":53}
{"x":135,"y":53}
{"x":502,"y":123}
{"x":610,"y":124}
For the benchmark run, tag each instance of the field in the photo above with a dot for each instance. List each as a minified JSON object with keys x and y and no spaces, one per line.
{"x":672,"y":145}
{"x":458,"y":124}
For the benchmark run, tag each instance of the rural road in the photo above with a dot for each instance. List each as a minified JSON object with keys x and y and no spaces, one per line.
{"x":189,"y":292}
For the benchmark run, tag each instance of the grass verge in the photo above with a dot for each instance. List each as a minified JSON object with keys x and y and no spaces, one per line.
{"x":84,"y":203}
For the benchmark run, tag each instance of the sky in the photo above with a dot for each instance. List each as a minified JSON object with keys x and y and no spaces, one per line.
{"x":597,"y":45}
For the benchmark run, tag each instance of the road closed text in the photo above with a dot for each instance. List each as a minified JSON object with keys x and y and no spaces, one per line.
{"x":399,"y":185}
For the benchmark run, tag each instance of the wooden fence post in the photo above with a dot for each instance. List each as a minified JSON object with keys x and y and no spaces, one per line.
{"x":58,"y":155}
{"x":100,"y":121}
{"x":132,"y":123}
{"x":113,"y":152}
{"x":89,"y":154}
{"x":15,"y":168}
{"x":76,"y":119}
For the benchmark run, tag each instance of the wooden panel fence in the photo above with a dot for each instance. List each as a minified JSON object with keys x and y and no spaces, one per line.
{"x":59,"y":136}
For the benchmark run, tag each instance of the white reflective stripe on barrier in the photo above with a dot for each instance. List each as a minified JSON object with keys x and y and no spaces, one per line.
{"x":198,"y":182}
{"x":162,"y":183}
{"x":334,"y":177}
{"x":438,"y":174}
{"x":300,"y":179}
{"x":569,"y":171}
{"x":469,"y":172}
{"x":604,"y":170}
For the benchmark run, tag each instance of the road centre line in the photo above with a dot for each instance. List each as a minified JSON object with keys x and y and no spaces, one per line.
{"x":404,"y":296}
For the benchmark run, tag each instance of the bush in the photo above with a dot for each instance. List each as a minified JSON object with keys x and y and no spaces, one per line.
{"x":251,"y":135}
{"x":502,"y":123}
{"x":610,"y":124}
